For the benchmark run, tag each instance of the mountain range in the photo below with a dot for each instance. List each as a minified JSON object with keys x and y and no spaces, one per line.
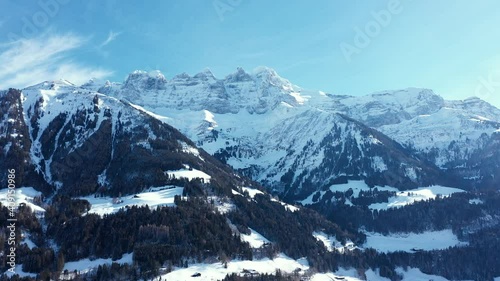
{"x":245,"y":157}
{"x":291,"y":139}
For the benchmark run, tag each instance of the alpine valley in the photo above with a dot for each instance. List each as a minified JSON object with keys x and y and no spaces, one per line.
{"x":248,"y":177}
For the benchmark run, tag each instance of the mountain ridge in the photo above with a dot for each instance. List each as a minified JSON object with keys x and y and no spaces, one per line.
{"x":262,"y":124}
{"x":273,"y":100}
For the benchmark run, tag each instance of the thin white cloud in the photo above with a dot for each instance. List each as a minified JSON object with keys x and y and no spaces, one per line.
{"x":31,"y":61}
{"x":111,"y":37}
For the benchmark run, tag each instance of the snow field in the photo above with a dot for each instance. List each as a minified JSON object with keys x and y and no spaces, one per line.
{"x":160,"y":196}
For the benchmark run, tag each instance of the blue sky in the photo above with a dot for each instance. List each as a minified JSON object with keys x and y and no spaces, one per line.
{"x":341,"y":47}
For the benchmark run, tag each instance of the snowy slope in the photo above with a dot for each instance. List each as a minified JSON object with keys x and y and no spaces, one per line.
{"x":158,"y":196}
{"x":23,"y":195}
{"x":217,"y":271}
{"x":410,"y":242}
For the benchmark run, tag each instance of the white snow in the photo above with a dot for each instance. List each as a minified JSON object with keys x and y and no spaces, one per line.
{"x":407,"y":197}
{"x":378,"y":164}
{"x":222,"y":204}
{"x":86,"y":265}
{"x":252,"y":191}
{"x":356,"y":185}
{"x":19,"y":270}
{"x":189,"y":174}
{"x":409,"y":242}
{"x":300,"y":99}
{"x":23,"y":195}
{"x":330,"y":242}
{"x":414,"y":274}
{"x":255,"y":239}
{"x":26,"y":240}
{"x":216,"y":271}
{"x":288,"y":207}
{"x":333,"y":276}
{"x":347,"y":275}
{"x":476,"y":201}
{"x":189,"y":149}
{"x":160,"y":196}
{"x":210,"y":117}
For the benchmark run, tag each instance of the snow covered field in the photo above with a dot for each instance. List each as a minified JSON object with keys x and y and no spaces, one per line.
{"x":255,"y":239}
{"x":216,"y":271}
{"x":252,"y":191}
{"x":188,"y":174}
{"x":159,"y":196}
{"x":412,"y":274}
{"x":356,"y":185}
{"x":86,"y":265}
{"x":330,"y":242}
{"x":401,"y":199}
{"x":23,"y":195}
{"x":407,"y":197}
{"x":18,"y":270}
{"x":409,"y":242}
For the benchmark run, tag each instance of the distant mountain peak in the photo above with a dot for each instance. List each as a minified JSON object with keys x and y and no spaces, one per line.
{"x":264,"y":70}
{"x":205,"y":74}
{"x":142,"y":80}
{"x":239,"y":76}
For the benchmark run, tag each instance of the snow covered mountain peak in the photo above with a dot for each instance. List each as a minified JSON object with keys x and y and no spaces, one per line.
{"x":476,"y":106}
{"x":52,"y":85}
{"x":257,"y":92}
{"x":386,"y":107}
{"x":264,"y":69}
{"x":142,"y":80}
{"x":206,"y":74}
{"x":239,"y":75}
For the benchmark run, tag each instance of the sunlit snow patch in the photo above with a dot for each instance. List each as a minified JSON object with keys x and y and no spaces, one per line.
{"x":154,"y":115}
{"x":355,"y":185}
{"x":348,"y":275}
{"x":162,"y":196}
{"x":407,"y":197}
{"x":414,"y":274}
{"x":255,"y":239}
{"x":23,"y":195}
{"x":411,"y":242}
{"x":86,"y":265}
{"x":288,"y":207}
{"x":476,"y":201}
{"x":329,"y":241}
{"x":189,"y":173}
{"x":216,"y":271}
{"x":252,"y":191}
